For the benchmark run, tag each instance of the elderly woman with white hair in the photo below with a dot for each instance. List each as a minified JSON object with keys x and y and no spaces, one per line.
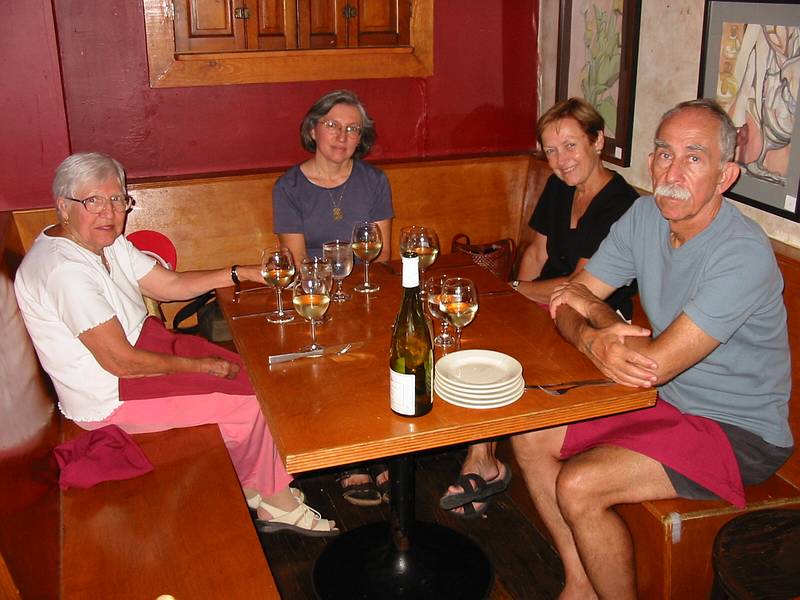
{"x":80,"y":290}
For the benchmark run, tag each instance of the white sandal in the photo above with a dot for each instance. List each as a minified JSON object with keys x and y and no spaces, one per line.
{"x":303,"y":520}
{"x":254,"y":501}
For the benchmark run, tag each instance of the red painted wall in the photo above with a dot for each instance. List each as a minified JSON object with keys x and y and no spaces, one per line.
{"x":482,"y":97}
{"x":33,"y":127}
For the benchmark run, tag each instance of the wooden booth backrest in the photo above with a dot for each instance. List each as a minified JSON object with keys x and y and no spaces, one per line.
{"x":217,"y":221}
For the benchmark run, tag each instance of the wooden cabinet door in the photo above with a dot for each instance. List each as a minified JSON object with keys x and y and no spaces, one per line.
{"x":209,"y":26}
{"x":380,"y":23}
{"x":274,"y":27}
{"x":322,"y":24}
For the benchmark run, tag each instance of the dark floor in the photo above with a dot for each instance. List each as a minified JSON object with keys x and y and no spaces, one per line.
{"x":525,"y":565}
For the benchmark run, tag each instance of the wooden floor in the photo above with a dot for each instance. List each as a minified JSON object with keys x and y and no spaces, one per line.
{"x":526,"y":567}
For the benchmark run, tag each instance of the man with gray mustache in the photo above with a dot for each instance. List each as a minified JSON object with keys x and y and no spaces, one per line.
{"x":718,"y":353}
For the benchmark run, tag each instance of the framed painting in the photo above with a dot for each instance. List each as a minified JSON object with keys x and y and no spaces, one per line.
{"x":751,"y":65}
{"x":598,"y":44}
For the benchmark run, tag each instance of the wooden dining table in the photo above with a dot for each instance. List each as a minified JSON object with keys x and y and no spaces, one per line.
{"x":334,"y":410}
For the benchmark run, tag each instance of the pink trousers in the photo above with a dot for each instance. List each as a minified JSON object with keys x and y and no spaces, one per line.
{"x":244,"y":430}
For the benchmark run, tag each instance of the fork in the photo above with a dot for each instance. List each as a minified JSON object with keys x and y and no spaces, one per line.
{"x":560,"y":391}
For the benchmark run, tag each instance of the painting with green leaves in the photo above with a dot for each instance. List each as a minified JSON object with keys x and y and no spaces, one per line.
{"x":598,"y":42}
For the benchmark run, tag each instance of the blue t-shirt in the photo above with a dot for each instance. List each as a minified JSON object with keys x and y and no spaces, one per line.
{"x":299,"y":206}
{"x":727,"y":281}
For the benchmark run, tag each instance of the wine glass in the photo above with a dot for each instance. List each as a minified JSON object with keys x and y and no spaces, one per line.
{"x":458,"y":301}
{"x":311,"y":297}
{"x":433,"y":291}
{"x":423,"y":241}
{"x":340,"y":254}
{"x":318,"y":266}
{"x":367,"y":243}
{"x":277,"y":269}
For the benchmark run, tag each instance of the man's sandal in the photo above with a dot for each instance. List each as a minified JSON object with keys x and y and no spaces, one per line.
{"x":303,"y":520}
{"x":360,"y":494}
{"x":385,"y":486}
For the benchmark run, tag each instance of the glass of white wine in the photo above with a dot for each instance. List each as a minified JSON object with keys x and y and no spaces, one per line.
{"x":318,"y":266}
{"x":424,"y":242}
{"x":340,"y":254}
{"x":367,"y":243}
{"x":277,"y":269}
{"x":433,"y":291}
{"x":458,"y":301}
{"x":311,"y":298}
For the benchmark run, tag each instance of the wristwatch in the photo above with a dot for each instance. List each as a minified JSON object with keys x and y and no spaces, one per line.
{"x":515,"y":284}
{"x":234,"y":275}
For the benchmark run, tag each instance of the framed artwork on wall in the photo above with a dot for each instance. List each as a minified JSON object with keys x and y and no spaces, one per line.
{"x":598,"y":43}
{"x":751,"y":65}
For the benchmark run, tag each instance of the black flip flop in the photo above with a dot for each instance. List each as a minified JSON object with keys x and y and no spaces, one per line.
{"x":359,"y":494}
{"x":375,"y":469}
{"x":475,"y":488}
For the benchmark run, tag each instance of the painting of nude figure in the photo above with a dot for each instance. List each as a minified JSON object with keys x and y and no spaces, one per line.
{"x":758,"y":86}
{"x":752,"y":68}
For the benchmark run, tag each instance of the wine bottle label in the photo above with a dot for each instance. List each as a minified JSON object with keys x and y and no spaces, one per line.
{"x":401,"y":392}
{"x":410,"y":274}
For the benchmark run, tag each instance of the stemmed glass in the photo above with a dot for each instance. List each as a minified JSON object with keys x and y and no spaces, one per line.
{"x":433,"y":291}
{"x":318,"y":266}
{"x":277,"y":269}
{"x":367,"y":243}
{"x":311,"y":297}
{"x":423,"y":241}
{"x":340,"y":254}
{"x":459,"y":302}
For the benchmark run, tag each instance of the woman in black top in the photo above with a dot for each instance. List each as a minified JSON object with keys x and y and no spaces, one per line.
{"x":580,"y":202}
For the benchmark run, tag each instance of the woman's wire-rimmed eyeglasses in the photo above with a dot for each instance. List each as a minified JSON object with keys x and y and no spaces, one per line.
{"x":97,"y":204}
{"x":351,"y":130}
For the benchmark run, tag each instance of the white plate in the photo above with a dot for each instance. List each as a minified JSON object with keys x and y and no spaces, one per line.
{"x":478,"y":393}
{"x":504,"y":400}
{"x":474,"y":369}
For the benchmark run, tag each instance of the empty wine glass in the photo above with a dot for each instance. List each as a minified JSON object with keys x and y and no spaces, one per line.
{"x":458,"y":301}
{"x":311,"y":297}
{"x":340,"y":254}
{"x":277,"y":269}
{"x":423,"y":241}
{"x":367,"y":243}
{"x":318,"y":266}
{"x":433,"y":291}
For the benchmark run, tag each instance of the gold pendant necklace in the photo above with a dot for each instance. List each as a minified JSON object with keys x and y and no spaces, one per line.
{"x":336,"y":203}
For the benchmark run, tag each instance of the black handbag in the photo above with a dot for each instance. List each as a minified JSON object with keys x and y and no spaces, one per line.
{"x":211,"y":322}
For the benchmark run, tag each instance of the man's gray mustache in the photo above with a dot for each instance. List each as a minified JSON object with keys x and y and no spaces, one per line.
{"x":673,"y":190}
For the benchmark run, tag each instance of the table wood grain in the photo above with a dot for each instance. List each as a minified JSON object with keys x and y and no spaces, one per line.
{"x":334,"y":410}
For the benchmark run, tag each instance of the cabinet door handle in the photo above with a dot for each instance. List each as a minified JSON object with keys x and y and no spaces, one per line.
{"x":241,"y":13}
{"x":349,"y":11}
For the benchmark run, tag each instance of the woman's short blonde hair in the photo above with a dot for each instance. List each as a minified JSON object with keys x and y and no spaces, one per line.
{"x":575,"y":108}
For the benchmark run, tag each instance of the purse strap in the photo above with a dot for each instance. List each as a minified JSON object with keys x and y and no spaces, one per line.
{"x":191,"y":309}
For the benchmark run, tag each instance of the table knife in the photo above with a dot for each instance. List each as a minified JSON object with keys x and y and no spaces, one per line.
{"x":336,"y":349}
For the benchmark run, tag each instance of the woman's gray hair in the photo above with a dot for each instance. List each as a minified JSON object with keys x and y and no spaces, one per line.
{"x":727,"y":130}
{"x":323,"y":106}
{"x":85,"y":167}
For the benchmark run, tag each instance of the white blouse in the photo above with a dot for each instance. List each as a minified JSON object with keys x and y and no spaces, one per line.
{"x":63,"y":290}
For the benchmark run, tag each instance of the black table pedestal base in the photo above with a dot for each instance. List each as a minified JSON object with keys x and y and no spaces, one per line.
{"x":440,"y":564}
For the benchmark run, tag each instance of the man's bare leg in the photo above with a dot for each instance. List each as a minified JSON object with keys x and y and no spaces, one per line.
{"x":588,"y":487}
{"x":538,"y":454}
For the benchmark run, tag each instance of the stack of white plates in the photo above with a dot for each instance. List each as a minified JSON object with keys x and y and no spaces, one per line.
{"x":479,"y":379}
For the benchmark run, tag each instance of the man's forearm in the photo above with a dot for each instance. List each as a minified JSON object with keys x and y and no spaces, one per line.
{"x":573,"y":326}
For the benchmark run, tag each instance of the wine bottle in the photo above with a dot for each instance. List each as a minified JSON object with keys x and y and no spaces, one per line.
{"x":411,"y":355}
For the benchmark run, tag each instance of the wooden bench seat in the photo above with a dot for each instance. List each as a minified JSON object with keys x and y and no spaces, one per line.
{"x":183,"y":529}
